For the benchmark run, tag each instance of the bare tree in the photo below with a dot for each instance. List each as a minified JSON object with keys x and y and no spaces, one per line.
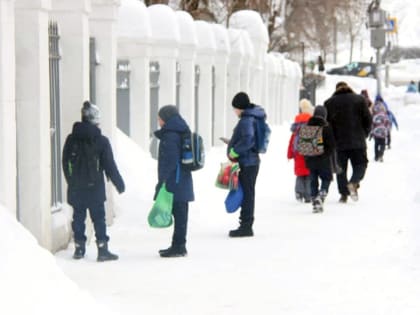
{"x":151,"y":2}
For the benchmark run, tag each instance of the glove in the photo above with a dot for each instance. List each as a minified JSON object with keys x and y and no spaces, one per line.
{"x":233,"y":156}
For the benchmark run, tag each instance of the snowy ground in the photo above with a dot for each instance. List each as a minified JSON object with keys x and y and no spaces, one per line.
{"x":355,"y":259}
{"x":358,"y":258}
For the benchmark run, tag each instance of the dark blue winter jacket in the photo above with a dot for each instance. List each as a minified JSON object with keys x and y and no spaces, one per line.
{"x":178,"y":181}
{"x":243,"y":140}
{"x":95,"y":195}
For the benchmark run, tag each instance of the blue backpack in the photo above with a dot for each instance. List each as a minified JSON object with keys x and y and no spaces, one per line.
{"x":263,"y":132}
{"x":192,"y":151}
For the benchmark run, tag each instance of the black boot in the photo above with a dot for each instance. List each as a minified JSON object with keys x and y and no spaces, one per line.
{"x":79,"y":250}
{"x":173,"y":251}
{"x":242,"y":231}
{"x":103,"y":253}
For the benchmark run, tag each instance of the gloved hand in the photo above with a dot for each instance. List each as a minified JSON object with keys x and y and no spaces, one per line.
{"x":233,"y":156}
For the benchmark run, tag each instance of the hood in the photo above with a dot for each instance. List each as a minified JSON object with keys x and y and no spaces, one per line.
{"x":255,"y":111}
{"x":85,"y":130}
{"x":176,"y":124}
{"x":302,"y":117}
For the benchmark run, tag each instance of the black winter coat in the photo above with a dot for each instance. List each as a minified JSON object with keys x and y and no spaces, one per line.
{"x":349,"y":118}
{"x":178,"y":181}
{"x":323,"y":161}
{"x":95,"y":195}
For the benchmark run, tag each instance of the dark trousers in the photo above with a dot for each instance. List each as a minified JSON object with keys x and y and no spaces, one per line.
{"x":358,"y":160}
{"x":248,"y":178}
{"x":379,"y":147}
{"x":97,"y":214}
{"x":303,"y":186}
{"x":180,"y":213}
{"x":326,"y":177}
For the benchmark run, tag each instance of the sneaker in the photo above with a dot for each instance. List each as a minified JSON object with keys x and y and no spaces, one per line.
{"x":317,"y":205}
{"x":352,"y":187}
{"x":241,"y":232}
{"x":173,"y":251}
{"x":299,"y":197}
{"x":381,"y":159}
{"x":323,"y":195}
{"x":343,"y":199}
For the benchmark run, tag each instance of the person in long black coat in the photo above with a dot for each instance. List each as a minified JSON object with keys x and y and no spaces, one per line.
{"x":93,"y":197}
{"x":351,"y":121}
{"x":320,"y":166}
{"x":177,"y":180}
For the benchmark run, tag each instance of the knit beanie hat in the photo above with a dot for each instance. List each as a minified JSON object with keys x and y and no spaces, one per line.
{"x":90,"y":113}
{"x":320,"y":111}
{"x":306,"y":106}
{"x":166,"y":112}
{"x":241,"y":101}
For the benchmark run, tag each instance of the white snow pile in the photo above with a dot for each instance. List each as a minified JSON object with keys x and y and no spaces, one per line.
{"x":30,"y":280}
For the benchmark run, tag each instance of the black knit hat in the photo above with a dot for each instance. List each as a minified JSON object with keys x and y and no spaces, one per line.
{"x":241,"y":101}
{"x":168,"y":111}
{"x":320,"y":111}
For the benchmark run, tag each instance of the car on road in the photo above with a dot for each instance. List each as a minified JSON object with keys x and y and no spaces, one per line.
{"x":356,"y":68}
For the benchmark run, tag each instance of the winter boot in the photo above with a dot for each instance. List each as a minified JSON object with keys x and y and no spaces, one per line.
{"x":352,"y":187}
{"x":79,"y":250}
{"x":299,"y":197}
{"x":173,"y":251}
{"x":343,"y":199}
{"x":317,"y":205}
{"x":323,"y":195}
{"x":103,"y":253}
{"x":242,"y":231}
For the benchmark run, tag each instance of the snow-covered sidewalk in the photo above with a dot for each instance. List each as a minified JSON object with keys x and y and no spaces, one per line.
{"x":353,"y":259}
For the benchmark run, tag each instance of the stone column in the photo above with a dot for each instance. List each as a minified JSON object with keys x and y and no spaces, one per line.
{"x":73,"y":27}
{"x":7,"y":106}
{"x":205,"y":59}
{"x":33,"y":118}
{"x":234,"y":75}
{"x":102,"y":27}
{"x":220,"y":64}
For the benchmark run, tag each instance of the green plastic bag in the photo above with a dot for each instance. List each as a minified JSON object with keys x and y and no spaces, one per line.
{"x":160,"y":215}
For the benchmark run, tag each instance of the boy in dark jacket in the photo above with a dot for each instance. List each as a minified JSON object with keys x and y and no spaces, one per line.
{"x":320,"y":165}
{"x":178,"y":181}
{"x":91,"y":195}
{"x":242,"y":147}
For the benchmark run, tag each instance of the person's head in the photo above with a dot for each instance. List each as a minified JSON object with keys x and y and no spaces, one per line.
{"x":90,"y":113}
{"x":305,"y":106}
{"x":241,"y":102}
{"x":320,"y":111}
{"x":340,"y":84}
{"x":364,"y":93}
{"x":165,"y":113}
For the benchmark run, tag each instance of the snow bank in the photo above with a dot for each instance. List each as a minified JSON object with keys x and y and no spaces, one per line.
{"x":31,"y":282}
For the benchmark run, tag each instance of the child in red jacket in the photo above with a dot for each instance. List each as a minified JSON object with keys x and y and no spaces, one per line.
{"x":302,"y":185}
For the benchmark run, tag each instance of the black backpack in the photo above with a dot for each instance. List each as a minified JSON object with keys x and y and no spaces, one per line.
{"x":192,"y":151}
{"x":83,"y":164}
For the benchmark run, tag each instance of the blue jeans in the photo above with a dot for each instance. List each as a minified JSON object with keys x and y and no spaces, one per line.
{"x":326,"y":177}
{"x":97,"y":214}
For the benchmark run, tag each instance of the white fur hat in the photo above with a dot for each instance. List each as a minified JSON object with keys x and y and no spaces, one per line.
{"x":306,"y":106}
